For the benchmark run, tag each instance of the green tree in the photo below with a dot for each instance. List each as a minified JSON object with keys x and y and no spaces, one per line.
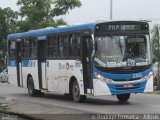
{"x":8,"y":20}
{"x":156,"y":49}
{"x":40,"y":13}
{"x":11,"y":19}
{"x":63,"y":6}
{"x":3,"y":25}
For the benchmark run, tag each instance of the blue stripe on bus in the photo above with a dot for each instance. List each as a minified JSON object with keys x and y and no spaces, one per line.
{"x":28,"y":63}
{"x":121,"y":76}
{"x":25,"y":63}
{"x":11,"y":63}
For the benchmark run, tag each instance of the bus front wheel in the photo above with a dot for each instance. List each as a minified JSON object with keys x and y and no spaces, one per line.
{"x":77,"y":97}
{"x":123,"y":97}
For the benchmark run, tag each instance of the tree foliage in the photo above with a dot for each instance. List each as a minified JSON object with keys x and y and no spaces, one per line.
{"x":63,"y":6}
{"x":8,"y":20}
{"x":34,"y":14}
{"x":155,"y":41}
{"x":40,"y":13}
{"x":156,"y":48}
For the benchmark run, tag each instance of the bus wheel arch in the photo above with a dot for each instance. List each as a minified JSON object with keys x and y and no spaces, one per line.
{"x":74,"y":90}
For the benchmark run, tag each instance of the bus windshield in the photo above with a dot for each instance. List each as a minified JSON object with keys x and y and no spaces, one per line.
{"x":122,"y":51}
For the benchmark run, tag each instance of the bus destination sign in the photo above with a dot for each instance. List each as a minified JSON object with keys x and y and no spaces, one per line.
{"x":123,"y":27}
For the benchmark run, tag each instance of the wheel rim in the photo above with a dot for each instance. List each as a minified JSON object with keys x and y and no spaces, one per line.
{"x":76,"y":92}
{"x":30,"y":88}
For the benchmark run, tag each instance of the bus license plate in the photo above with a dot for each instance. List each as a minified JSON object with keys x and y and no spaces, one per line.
{"x":128,"y":86}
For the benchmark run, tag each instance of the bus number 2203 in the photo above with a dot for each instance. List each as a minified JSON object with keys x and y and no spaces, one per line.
{"x":137,"y":75}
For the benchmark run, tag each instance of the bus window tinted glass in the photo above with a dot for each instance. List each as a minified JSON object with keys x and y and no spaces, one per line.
{"x":12,"y":48}
{"x":63,"y":46}
{"x":74,"y":45}
{"x":33,"y":48}
{"x":26,"y":48}
{"x":52,"y":46}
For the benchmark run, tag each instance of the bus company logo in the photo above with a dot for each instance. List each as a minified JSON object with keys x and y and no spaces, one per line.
{"x":31,"y":63}
{"x":67,"y":66}
{"x":77,"y":64}
{"x":13,"y":63}
{"x":59,"y":66}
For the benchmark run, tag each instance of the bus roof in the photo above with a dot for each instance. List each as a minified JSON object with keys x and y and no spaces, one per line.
{"x":45,"y":32}
{"x":41,"y":32}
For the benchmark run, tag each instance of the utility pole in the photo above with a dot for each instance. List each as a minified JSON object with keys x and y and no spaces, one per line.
{"x":111,"y":9}
{"x":158,"y":45}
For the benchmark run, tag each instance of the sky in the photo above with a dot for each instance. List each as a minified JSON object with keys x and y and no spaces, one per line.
{"x":94,"y":10}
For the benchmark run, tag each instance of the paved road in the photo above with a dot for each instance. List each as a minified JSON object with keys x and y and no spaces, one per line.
{"x":140,"y":103}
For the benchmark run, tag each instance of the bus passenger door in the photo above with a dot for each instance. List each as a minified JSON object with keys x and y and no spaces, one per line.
{"x":87,"y":63}
{"x":42,"y":63}
{"x":18,"y":64}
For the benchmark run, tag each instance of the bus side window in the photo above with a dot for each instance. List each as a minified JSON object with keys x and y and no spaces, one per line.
{"x":33,"y":48}
{"x":74,"y":45}
{"x":26,"y":48}
{"x":12,"y":48}
{"x":52,"y":46}
{"x":60,"y":46}
{"x":70,"y":45}
{"x":65,"y":46}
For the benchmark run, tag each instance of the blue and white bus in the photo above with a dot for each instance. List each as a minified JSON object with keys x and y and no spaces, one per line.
{"x":99,"y":58}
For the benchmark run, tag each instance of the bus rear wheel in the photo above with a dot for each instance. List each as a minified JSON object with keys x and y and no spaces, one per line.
{"x":123,"y":97}
{"x":31,"y":88}
{"x":77,"y":97}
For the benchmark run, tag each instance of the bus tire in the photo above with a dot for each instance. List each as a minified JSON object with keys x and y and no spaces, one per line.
{"x":77,"y":97}
{"x":123,"y":97}
{"x":31,"y":89}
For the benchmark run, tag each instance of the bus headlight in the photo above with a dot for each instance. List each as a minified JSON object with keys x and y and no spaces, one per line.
{"x":148,"y":76}
{"x":99,"y":76}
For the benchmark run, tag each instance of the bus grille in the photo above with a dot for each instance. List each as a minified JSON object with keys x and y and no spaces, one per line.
{"x":118,"y":80}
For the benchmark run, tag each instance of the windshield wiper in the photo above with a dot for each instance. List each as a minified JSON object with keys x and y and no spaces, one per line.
{"x":120,"y":45}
